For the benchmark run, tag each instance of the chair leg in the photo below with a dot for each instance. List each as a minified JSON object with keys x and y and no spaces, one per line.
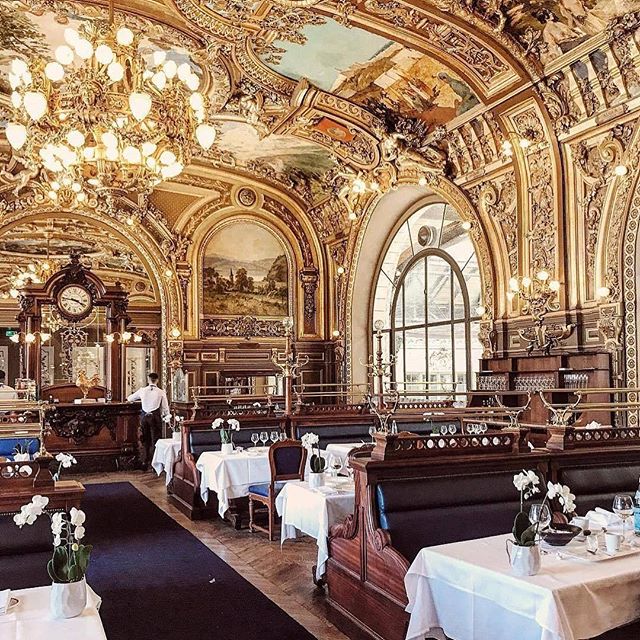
{"x":251,"y":529}
{"x":272,"y":522}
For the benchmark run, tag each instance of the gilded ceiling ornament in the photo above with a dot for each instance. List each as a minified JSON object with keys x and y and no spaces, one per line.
{"x":556,"y":95}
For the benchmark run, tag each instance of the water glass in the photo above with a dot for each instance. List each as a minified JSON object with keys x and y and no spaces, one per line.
{"x":255,"y":438}
{"x":274,"y":436}
{"x":282,"y":436}
{"x":540,"y":513}
{"x":264,"y":437}
{"x":623,"y":508}
{"x":372,"y":431}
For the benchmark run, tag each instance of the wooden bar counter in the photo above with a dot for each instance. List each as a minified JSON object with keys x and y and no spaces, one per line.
{"x":102,"y":436}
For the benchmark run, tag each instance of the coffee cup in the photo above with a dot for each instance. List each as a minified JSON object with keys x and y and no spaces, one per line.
{"x":581,"y":522}
{"x":612,"y":542}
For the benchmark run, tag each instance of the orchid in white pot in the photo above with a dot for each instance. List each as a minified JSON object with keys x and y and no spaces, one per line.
{"x":68,"y":565}
{"x":226,"y":433}
{"x":525,"y":555}
{"x":317,"y":463}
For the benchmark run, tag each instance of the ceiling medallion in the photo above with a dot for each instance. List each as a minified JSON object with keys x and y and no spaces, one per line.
{"x":102,"y":118}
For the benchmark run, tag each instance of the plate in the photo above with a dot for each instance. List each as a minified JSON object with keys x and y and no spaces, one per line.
{"x":576,"y":550}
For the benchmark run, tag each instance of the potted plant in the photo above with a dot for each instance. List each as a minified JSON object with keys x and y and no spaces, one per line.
{"x":176,"y":427}
{"x":226,"y":433}
{"x":524,"y":555}
{"x":317,"y":463}
{"x":21,"y":451}
{"x":65,"y":461}
{"x":68,"y":565}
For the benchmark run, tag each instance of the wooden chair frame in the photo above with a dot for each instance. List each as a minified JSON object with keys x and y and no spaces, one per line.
{"x":269,"y":501}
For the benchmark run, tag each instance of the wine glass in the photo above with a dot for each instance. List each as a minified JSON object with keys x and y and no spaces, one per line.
{"x":255,"y":438}
{"x":283,"y":436}
{"x":623,"y":508}
{"x":452,"y":429}
{"x":443,"y":430}
{"x":335,"y":464}
{"x":372,"y":431}
{"x":540,"y":513}
{"x":264,"y":437}
{"x":274,"y":437}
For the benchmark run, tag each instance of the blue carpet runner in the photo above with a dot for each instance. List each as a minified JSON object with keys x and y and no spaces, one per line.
{"x":155,"y":578}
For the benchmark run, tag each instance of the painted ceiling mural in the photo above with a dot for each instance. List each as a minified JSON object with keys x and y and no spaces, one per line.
{"x":365,"y":68}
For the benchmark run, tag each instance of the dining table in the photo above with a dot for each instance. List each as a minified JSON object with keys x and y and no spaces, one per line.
{"x":164,"y":457}
{"x":467,"y":590}
{"x":31,"y":619}
{"x":342,"y":449}
{"x":313,"y":511}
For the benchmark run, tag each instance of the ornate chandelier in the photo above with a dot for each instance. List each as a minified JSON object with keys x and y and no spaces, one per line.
{"x":104,"y":118}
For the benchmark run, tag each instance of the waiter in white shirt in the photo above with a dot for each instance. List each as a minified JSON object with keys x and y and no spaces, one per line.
{"x":155,"y":408}
{"x":6,"y":392}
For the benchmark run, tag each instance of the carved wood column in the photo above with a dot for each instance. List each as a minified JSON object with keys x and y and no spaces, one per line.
{"x":309,"y":281}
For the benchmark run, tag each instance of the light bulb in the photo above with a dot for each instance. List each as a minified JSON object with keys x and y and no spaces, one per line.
{"x":76,"y":187}
{"x":109,"y":337}
{"x":89,"y":153}
{"x":554,"y":285}
{"x":16,"y":336}
{"x":84,"y":48}
{"x":159,"y":80}
{"x":71,"y":36}
{"x":422,"y":181}
{"x":542,"y":275}
{"x":55,"y":185}
{"x":168,"y":273}
{"x":175,"y":332}
{"x":466,"y":225}
{"x":480,"y":310}
{"x":54,"y":71}
{"x":109,"y":139}
{"x":81,"y":197}
{"x":36,"y":104}
{"x":621,"y":170}
{"x":115,"y":71}
{"x":132,"y":155}
{"x":45,"y":337}
{"x":603,"y":292}
{"x":75,"y":138}
{"x":140,"y":104}
{"x":193,"y":82}
{"x":111,"y":154}
{"x":104,"y":54}
{"x":335,"y":333}
{"x":159,"y":57}
{"x":52,"y":195}
{"x":513,"y":284}
{"x":507,"y":148}
{"x":510,"y":295}
{"x":353,"y":215}
{"x":167,"y":157}
{"x":64,"y":54}
{"x":184,"y":71}
{"x":172,"y":170}
{"x":148,"y":148}
{"x":524,"y":143}
{"x":526,"y":281}
{"x":137,"y":338}
{"x":205,"y":135}
{"x":19,"y":67}
{"x":124,"y":36}
{"x":196,"y":101}
{"x":170,"y":69}
{"x":16,"y":135}
{"x":29,"y":338}
{"x":16,"y":99}
{"x":340,"y":270}
{"x":126,"y":336}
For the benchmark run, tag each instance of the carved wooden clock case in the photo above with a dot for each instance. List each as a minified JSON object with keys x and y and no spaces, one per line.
{"x":75,"y":291}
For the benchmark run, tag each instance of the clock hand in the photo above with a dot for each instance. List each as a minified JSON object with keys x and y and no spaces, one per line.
{"x":73,"y":300}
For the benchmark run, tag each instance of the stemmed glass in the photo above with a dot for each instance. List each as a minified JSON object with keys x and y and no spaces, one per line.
{"x":335,"y":464}
{"x":282,"y":436}
{"x":255,"y":438}
{"x":372,"y":431}
{"x":623,"y":507}
{"x":541,"y":514}
{"x":274,"y":437}
{"x":264,"y":437}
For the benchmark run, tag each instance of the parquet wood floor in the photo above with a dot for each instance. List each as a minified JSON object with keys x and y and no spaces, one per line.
{"x":283,"y":574}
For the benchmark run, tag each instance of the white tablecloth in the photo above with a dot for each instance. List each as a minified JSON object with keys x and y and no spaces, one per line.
{"x":342,"y":448}
{"x":466,"y":588}
{"x":231,"y":475}
{"x":314,"y":511}
{"x":164,"y":456}
{"x":31,"y":619}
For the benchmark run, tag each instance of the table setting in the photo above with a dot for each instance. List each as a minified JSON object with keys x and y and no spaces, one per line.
{"x":550,"y":580}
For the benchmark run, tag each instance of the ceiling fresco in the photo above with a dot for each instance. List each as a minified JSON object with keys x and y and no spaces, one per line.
{"x":56,"y":240}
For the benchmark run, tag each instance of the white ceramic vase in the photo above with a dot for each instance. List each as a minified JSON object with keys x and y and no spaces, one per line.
{"x":524,"y":561}
{"x":316,"y":479}
{"x":68,"y":599}
{"x":177,"y":436}
{"x":227,"y":448}
{"x":21,"y":457}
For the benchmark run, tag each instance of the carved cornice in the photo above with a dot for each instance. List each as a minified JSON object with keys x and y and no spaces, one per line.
{"x":245,"y":327}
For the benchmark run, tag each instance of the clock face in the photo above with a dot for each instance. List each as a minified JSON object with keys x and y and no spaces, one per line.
{"x":74,"y":301}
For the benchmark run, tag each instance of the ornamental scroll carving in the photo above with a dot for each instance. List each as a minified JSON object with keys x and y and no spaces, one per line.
{"x":81,"y":424}
{"x":245,"y":327}
{"x":309,"y":282}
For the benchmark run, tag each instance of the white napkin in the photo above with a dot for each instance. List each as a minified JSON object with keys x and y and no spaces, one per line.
{"x":604,"y":518}
{"x":5,"y":599}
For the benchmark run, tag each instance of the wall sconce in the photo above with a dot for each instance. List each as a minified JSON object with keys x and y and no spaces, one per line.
{"x":621,"y":170}
{"x":524,"y":141}
{"x":175,"y":332}
{"x":603,"y":292}
{"x":29,"y":338}
{"x":123,"y":338}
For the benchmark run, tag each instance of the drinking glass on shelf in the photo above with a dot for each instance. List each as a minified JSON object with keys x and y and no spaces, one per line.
{"x":348,"y":468}
{"x":255,"y":438}
{"x":541,"y":514}
{"x":623,"y":508}
{"x":264,"y":437}
{"x":372,"y":431}
{"x":274,"y":436}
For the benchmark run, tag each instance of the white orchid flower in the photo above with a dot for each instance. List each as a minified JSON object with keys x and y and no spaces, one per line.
{"x":77,"y":517}
{"x":57,"y":523}
{"x":78,"y":534}
{"x":20,"y":519}
{"x":309,"y":440}
{"x":234,"y":424}
{"x":217,"y":423}
{"x":552,"y":490}
{"x":39,"y":503}
{"x":66,"y":460}
{"x":57,"y":541}
{"x":520,"y":481}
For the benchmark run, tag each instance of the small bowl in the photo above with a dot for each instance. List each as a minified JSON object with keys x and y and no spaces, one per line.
{"x":558,"y":534}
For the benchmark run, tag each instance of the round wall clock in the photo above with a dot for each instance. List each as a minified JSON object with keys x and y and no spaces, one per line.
{"x":74,"y":301}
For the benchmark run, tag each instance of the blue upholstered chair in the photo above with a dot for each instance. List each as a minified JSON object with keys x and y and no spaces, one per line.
{"x":287,"y":460}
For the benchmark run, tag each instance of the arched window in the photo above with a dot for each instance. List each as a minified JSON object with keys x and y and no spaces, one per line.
{"x":428,"y":296}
